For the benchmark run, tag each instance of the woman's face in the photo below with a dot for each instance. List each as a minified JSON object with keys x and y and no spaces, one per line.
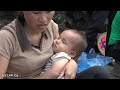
{"x":37,"y":20}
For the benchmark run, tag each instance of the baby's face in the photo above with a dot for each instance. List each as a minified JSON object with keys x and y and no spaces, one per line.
{"x":65,"y":42}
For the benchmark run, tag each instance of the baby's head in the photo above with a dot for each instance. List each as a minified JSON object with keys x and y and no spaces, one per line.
{"x":71,"y":41}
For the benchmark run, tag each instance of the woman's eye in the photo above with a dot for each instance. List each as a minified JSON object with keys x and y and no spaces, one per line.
{"x":48,"y":11}
{"x":36,"y":12}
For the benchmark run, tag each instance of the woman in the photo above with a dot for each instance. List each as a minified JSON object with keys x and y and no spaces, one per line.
{"x":26,"y":46}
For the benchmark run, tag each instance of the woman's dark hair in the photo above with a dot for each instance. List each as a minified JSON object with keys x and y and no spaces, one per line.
{"x":20,"y":17}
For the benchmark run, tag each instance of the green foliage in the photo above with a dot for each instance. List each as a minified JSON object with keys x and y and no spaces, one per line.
{"x":76,"y":19}
{"x":6,"y":17}
{"x":105,"y":25}
{"x":79,"y":20}
{"x":9,"y":15}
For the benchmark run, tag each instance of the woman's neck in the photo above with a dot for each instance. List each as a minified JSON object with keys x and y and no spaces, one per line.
{"x":33,"y":37}
{"x":30,"y":30}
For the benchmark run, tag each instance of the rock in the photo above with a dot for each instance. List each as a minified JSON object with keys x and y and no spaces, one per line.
{"x":6,"y":17}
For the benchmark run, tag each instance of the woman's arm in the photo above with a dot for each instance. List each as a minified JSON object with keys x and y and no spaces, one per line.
{"x":3,"y":66}
{"x":55,"y":70}
{"x":70,"y":70}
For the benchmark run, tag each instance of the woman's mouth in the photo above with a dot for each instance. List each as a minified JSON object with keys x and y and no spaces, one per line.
{"x":41,"y":26}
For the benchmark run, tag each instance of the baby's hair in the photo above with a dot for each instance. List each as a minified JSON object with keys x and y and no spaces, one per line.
{"x":82,"y":42}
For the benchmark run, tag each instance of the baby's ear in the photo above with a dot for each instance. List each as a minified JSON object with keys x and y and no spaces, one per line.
{"x":73,"y":54}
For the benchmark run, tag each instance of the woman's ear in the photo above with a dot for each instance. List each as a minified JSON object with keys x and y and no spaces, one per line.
{"x":73,"y":54}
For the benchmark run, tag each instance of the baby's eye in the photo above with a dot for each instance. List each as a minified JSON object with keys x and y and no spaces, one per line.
{"x":63,"y":41}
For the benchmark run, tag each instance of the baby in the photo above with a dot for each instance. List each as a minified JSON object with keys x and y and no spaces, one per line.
{"x":69,"y":45}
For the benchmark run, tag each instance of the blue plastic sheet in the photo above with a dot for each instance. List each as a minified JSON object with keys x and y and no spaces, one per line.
{"x":92,"y":59}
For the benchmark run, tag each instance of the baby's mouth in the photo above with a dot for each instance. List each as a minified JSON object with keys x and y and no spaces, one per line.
{"x":54,"y":45}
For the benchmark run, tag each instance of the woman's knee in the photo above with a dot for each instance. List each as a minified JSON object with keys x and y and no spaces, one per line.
{"x":101,"y":72}
{"x":95,"y":72}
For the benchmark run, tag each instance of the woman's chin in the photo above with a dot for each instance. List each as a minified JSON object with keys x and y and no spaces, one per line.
{"x":41,"y":29}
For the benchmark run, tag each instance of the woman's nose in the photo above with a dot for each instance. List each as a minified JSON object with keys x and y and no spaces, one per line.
{"x":43,"y":19}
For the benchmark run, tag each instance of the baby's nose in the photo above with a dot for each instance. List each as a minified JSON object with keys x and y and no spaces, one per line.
{"x":56,"y":41}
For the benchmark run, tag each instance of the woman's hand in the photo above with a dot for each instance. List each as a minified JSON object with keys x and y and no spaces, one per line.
{"x":69,"y":72}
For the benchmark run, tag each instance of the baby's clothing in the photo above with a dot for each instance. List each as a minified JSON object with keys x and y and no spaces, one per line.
{"x":54,"y":58}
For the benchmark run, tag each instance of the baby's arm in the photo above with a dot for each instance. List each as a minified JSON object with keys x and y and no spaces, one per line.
{"x":55,"y":70}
